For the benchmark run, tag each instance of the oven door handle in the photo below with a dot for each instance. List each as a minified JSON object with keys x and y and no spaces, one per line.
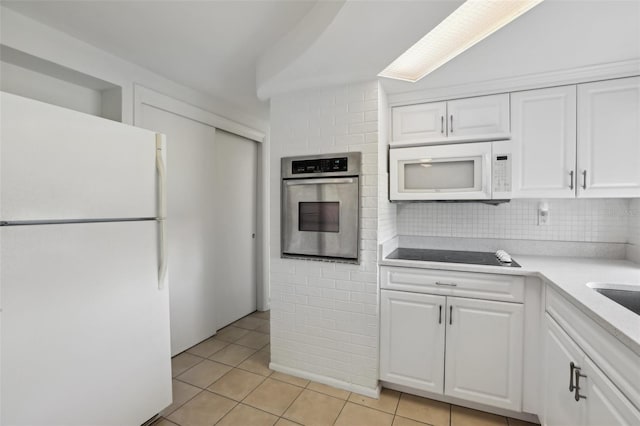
{"x":319,"y":181}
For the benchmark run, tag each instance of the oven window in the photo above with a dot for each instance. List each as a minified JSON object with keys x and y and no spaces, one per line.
{"x":319,"y":216}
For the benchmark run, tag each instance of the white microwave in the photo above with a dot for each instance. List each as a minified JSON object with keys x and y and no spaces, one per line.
{"x":470,"y":171}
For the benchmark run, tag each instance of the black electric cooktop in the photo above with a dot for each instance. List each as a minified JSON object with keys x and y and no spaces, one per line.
{"x":451,"y":256}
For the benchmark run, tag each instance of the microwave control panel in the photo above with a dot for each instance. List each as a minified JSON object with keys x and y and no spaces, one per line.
{"x":502,"y":173}
{"x":320,"y":165}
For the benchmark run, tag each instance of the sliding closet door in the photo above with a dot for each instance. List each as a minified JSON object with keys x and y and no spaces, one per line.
{"x":190,"y":209}
{"x":235,"y":168}
{"x":211,"y":219}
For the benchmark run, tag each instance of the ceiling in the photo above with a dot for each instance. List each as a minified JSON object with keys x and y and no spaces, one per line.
{"x":210,"y":46}
{"x":553,"y":36}
{"x":244,"y":52}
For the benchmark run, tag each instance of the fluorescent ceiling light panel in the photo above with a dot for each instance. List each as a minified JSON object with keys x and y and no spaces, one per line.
{"x":473,"y":21}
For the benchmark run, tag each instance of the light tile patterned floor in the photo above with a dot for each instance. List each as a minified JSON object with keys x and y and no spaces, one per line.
{"x":226,"y":380}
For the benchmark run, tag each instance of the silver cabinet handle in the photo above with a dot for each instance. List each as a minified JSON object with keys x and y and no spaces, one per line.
{"x":447,"y":284}
{"x":577,"y":395}
{"x":572,"y":367}
{"x":451,"y":119}
{"x":442,"y":124}
{"x":584,"y":179}
{"x":571,"y":177}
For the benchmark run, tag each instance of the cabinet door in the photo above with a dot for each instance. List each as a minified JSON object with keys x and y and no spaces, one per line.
{"x":412,"y":340}
{"x":484,"y":117}
{"x":484,"y":352}
{"x":422,"y":122}
{"x":605,"y":404}
{"x":609,"y":138}
{"x":560,"y":407}
{"x":544,"y":143}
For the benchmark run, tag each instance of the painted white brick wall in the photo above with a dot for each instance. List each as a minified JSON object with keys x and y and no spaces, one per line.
{"x":587,"y":220}
{"x":387,"y":224}
{"x":324,"y":316}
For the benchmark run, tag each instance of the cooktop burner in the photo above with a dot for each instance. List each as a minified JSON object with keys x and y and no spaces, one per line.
{"x":451,"y":256}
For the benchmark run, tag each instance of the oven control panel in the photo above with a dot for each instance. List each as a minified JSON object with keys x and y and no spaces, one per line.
{"x":320,"y":165}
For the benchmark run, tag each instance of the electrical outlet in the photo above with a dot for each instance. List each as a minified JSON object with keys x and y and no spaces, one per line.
{"x":543,"y":218}
{"x":543,"y":214}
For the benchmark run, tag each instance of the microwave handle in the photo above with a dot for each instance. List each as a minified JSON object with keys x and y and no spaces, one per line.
{"x":319,"y":181}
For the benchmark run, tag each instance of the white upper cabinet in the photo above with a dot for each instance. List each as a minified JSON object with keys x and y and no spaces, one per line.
{"x":584,"y":142}
{"x":420,"y":122}
{"x":544,"y":143}
{"x":609,"y":138}
{"x":482,"y":118}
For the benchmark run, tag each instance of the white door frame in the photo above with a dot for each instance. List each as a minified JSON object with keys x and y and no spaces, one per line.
{"x":145,"y":96}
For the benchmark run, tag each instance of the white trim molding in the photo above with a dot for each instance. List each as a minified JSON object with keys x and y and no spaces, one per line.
{"x":524,"y":82}
{"x":145,"y":96}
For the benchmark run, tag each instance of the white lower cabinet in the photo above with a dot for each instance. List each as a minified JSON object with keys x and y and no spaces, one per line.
{"x":560,"y":352}
{"x":484,"y":352}
{"x":576,"y":391}
{"x":413,"y":331}
{"x":605,"y":405}
{"x":482,"y":361}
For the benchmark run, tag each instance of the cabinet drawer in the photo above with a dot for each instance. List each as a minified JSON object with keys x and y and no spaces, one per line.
{"x":617,"y":361}
{"x":507,"y":288}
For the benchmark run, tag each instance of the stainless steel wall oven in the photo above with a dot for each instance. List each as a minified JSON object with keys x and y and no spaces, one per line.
{"x":321,"y":207}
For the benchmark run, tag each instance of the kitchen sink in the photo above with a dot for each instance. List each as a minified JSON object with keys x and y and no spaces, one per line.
{"x":627,"y":295}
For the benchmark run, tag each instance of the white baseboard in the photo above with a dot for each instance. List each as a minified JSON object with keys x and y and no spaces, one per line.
{"x":340,"y":384}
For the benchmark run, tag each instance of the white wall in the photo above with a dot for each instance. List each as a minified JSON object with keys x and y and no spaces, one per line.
{"x":25,"y":82}
{"x":31,"y":37}
{"x":324,"y":316}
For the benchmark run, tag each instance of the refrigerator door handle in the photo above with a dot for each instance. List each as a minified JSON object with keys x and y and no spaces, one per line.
{"x":162,"y":210}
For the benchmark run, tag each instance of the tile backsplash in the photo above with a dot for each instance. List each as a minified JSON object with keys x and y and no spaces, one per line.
{"x":586,"y":220}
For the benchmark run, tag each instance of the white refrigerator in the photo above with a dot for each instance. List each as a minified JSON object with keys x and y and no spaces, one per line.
{"x":84,"y":322}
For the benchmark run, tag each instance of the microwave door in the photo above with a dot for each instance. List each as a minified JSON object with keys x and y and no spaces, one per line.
{"x":441,"y":173}
{"x":320,"y":217}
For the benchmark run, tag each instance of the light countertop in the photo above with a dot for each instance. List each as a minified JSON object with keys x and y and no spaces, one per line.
{"x":570,"y":276}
